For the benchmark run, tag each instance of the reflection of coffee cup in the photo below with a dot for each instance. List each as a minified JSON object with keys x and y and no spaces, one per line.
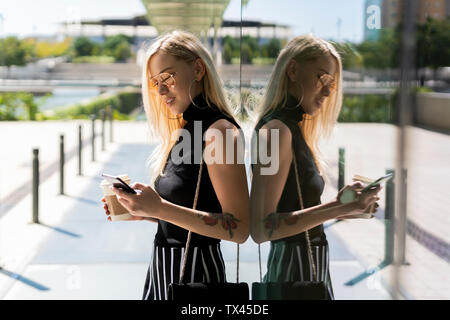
{"x":116,"y":210}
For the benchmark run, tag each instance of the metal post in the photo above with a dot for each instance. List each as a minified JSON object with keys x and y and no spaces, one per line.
{"x":93,"y":137}
{"x":110,"y":116}
{"x":80,"y":147}
{"x":404,"y":119}
{"x":403,"y":201}
{"x":35,"y":186}
{"x":341,"y":164}
{"x":61,"y":164}
{"x":389,"y":219}
{"x":103,"y":116}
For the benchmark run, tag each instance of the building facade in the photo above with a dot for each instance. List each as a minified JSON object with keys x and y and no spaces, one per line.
{"x":435,"y":9}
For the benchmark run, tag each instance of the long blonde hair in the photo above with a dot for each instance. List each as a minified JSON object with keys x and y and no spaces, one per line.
{"x":305,"y":48}
{"x":162,"y":124}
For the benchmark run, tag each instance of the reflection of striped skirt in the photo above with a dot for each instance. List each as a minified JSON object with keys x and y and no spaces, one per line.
{"x":204,"y":264}
{"x":291,"y":262}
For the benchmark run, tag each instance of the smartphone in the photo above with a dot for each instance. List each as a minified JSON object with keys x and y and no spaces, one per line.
{"x":378,"y":181}
{"x":349,"y":195}
{"x":118,"y":183}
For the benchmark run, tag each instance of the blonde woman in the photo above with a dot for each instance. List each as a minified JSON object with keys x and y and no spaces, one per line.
{"x":301,"y":104}
{"x":182,"y":90}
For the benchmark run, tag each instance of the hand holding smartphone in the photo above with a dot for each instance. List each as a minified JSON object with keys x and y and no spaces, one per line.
{"x":349,"y":195}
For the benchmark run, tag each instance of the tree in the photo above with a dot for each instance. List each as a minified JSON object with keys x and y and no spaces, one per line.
{"x":13,"y":52}
{"x":272,"y":48}
{"x":46,"y":49}
{"x":249,"y":49}
{"x":230,"y":48}
{"x":381,"y":54}
{"x":122,"y":51}
{"x":118,"y":46}
{"x":433,"y":38}
{"x":82,"y":46}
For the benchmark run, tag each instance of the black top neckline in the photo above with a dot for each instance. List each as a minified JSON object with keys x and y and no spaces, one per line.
{"x":200,"y":110}
{"x":292,"y":110}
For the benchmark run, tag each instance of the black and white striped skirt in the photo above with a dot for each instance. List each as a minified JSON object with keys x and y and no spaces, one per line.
{"x":290,"y":261}
{"x":204,"y":264}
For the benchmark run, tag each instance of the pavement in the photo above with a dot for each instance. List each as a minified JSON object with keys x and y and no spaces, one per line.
{"x":75,"y":253}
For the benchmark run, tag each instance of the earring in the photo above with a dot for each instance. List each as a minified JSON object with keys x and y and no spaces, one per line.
{"x":190,"y":97}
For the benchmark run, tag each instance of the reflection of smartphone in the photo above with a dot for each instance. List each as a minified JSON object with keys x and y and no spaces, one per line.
{"x":118,"y":183}
{"x":378,"y":181}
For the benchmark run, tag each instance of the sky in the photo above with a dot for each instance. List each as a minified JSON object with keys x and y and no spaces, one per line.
{"x":31,"y":17}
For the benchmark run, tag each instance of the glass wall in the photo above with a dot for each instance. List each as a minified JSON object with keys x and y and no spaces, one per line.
{"x":75,"y":69}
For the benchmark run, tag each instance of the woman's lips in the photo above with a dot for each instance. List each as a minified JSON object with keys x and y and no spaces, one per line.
{"x":170,"y":101}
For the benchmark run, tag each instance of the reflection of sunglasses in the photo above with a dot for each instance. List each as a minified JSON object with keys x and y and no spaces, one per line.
{"x":326,"y":80}
{"x":165,"y":79}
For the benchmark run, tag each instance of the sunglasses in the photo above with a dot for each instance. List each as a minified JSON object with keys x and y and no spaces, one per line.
{"x":326,"y":80}
{"x":166,"y":79}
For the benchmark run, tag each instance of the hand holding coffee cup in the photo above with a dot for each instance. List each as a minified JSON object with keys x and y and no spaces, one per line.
{"x":113,"y":209}
{"x":108,"y":214}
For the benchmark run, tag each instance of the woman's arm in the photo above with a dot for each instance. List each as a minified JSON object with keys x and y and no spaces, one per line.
{"x":266,"y":223}
{"x":229,"y":182}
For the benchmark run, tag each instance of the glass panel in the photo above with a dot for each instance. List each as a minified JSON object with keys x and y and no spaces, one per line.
{"x":359,"y":248}
{"x":422,"y":258}
{"x":89,"y":58}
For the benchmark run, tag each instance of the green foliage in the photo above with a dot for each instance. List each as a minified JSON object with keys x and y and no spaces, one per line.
{"x":272,"y":48}
{"x":19,"y":106}
{"x":381,"y":54}
{"x":128,"y":101}
{"x":367,"y":108}
{"x":118,"y":46}
{"x":14,"y":52}
{"x":93,"y":59}
{"x":122,"y":51}
{"x":250,"y":51}
{"x":433,"y":39}
{"x":82,"y":46}
{"x":122,"y":103}
{"x":230,"y":48}
{"x":46,"y":49}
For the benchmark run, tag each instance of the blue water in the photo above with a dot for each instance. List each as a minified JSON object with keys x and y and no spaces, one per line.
{"x":64,"y":97}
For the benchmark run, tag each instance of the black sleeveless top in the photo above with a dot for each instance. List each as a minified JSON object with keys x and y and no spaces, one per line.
{"x":178,"y":182}
{"x":311,"y":182}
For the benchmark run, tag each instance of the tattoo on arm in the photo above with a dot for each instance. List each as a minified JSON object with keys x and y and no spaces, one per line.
{"x":273,"y":220}
{"x":228,"y":221}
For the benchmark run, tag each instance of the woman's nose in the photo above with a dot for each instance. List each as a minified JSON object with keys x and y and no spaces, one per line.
{"x":162,"y":89}
{"x":326,"y":91}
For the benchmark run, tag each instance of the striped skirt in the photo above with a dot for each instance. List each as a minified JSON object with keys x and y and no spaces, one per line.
{"x":204,"y":264}
{"x":291,"y":262}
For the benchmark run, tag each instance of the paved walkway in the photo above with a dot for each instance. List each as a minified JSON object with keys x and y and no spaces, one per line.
{"x":370,"y":150}
{"x":75,"y":253}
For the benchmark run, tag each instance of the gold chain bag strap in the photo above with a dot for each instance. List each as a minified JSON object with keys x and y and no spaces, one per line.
{"x":302,"y":207}
{"x":292,"y":290}
{"x":194,"y":206}
{"x":208,"y":292}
